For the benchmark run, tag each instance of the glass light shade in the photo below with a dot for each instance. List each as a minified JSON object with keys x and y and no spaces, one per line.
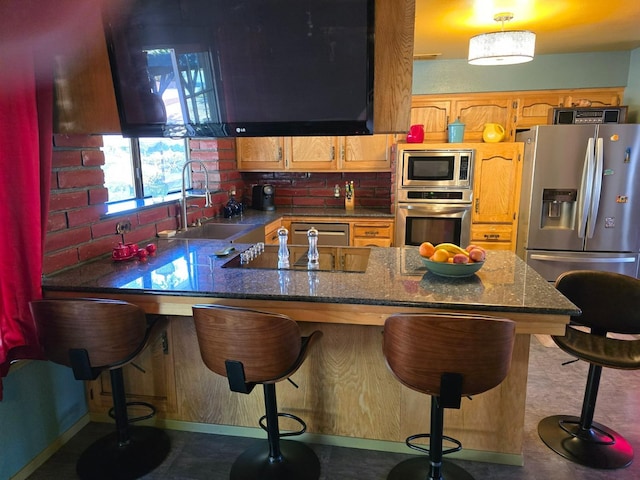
{"x":502,"y":48}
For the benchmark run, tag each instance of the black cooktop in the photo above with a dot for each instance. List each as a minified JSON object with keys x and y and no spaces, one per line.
{"x":332,"y":259}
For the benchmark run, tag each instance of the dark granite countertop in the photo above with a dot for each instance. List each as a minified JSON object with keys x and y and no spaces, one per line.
{"x":394,"y":277}
{"x":258,"y":216}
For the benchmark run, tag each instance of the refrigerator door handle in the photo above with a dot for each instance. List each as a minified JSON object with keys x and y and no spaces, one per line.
{"x":568,"y":258}
{"x":585,"y":190}
{"x":597,"y":187}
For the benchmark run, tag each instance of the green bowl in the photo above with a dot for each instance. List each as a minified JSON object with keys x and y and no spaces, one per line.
{"x":453,"y":270}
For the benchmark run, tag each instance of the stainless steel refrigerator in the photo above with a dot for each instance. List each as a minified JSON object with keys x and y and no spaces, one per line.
{"x":580,"y":202}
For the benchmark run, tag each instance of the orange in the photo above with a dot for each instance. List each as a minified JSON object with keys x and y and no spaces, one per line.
{"x":426,"y":249}
{"x":440,"y":256}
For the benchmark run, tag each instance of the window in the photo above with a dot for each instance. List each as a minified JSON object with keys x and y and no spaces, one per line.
{"x":137,"y":168}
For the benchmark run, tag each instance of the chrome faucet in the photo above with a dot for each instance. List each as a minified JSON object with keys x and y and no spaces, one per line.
{"x":183,"y":199}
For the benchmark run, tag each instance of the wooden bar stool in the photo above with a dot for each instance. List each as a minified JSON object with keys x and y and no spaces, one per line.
{"x":249,"y":348}
{"x":91,"y":336}
{"x":610,"y":302}
{"x":447,"y":356}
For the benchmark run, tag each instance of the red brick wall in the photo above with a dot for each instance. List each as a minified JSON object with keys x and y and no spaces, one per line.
{"x":372,"y":190}
{"x":78,"y":230}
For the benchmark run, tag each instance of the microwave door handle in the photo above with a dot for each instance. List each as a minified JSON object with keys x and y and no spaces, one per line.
{"x":597,"y":187}
{"x":585,"y":190}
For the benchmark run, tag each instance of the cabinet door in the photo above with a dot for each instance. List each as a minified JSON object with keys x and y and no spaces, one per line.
{"x":535,"y":109}
{"x":149,"y":378}
{"x":434,"y":116}
{"x":312,"y":153}
{"x":496,"y":184}
{"x":366,"y":152}
{"x":601,"y":98}
{"x":476,"y":112}
{"x":261,"y":153}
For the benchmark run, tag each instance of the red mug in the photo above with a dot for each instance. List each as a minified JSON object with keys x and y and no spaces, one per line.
{"x":121,"y":251}
{"x":416,"y":134}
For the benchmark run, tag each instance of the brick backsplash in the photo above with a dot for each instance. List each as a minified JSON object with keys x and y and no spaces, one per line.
{"x":78,"y":230}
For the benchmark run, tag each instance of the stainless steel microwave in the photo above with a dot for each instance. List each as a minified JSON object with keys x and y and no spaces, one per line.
{"x":436,"y":169}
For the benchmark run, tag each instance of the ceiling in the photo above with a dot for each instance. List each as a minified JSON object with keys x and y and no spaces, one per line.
{"x":443,"y":27}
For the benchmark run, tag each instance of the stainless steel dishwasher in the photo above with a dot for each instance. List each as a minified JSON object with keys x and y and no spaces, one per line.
{"x":328,"y":233}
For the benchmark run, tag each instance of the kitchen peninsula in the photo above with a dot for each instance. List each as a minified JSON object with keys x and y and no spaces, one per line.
{"x":347,"y":396}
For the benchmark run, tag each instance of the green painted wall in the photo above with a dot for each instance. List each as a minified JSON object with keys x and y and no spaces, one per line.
{"x":632,"y":92}
{"x":586,"y":70}
{"x":41,"y":401}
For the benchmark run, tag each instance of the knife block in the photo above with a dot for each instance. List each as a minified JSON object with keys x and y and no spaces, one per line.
{"x":350,"y":202}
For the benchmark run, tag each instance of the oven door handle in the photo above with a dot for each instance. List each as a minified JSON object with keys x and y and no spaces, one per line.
{"x":435,"y":208}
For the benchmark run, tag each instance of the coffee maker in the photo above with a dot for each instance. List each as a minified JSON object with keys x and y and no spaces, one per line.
{"x":263,"y":197}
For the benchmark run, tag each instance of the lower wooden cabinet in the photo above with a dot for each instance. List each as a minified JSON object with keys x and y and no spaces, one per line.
{"x":149,"y":378}
{"x":372,"y":233}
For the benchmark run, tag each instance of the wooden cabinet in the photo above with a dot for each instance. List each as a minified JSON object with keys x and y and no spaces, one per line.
{"x":363,"y":231}
{"x":372,"y":233}
{"x":496,"y":189}
{"x":315,"y":154}
{"x":271,"y":232}
{"x":149,"y":378}
{"x":512,"y":110}
{"x":84,"y":99}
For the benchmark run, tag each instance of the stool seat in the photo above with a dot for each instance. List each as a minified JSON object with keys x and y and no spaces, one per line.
{"x":446,"y":356}
{"x":610,"y":304}
{"x":250,"y":348}
{"x":93,"y":336}
{"x":600,"y":350}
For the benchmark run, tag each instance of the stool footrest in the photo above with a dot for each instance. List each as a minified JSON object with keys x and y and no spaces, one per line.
{"x":139,"y":418}
{"x":303,"y":425}
{"x":414,"y":446}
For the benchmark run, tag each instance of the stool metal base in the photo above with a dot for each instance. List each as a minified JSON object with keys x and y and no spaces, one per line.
{"x":599,"y":447}
{"x":105,"y":460}
{"x":419,"y":468}
{"x":299,"y":462}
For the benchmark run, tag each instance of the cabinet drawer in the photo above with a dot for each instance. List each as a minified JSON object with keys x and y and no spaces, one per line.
{"x":370,"y":230}
{"x":492,"y":233}
{"x":371,"y":242}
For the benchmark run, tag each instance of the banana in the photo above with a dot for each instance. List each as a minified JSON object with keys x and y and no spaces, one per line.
{"x":451,"y":248}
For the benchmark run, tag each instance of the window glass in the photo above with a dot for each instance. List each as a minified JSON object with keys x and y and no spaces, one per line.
{"x":118,"y":168}
{"x":159,"y":162}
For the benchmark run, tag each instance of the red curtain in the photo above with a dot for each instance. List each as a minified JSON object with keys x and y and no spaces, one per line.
{"x":25,"y":166}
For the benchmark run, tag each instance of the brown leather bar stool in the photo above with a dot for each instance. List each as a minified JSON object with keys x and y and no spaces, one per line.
{"x":91,"y":336}
{"x":446,"y":356}
{"x":610,"y":303}
{"x":249,"y":348}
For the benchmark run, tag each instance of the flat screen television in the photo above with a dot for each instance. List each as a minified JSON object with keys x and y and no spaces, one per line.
{"x":248,"y":68}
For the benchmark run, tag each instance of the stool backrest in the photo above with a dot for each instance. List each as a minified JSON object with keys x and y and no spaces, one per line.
{"x":112,"y":332}
{"x":420,"y":348}
{"x":267,"y":344}
{"x":610,"y":302}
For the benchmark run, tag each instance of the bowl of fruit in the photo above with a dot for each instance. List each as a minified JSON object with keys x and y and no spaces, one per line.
{"x":450,"y":260}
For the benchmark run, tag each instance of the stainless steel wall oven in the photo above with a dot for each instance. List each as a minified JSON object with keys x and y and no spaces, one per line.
{"x":434,"y":196}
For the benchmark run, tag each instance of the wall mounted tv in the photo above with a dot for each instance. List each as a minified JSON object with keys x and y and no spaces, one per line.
{"x":220,"y":68}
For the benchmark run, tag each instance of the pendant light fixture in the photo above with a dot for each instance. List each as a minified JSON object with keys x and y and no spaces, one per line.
{"x":504,"y":47}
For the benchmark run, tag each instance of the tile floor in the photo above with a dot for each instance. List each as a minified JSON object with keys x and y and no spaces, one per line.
{"x":553,"y":389}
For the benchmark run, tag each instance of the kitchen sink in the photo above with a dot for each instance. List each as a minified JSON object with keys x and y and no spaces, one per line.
{"x":232,"y":232}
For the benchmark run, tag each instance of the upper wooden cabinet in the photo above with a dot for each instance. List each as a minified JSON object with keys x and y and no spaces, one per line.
{"x":84,"y":99}
{"x":309,"y":154}
{"x":512,"y":110}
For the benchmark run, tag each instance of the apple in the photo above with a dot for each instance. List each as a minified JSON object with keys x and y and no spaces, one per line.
{"x":460,"y":258}
{"x":477,"y":255}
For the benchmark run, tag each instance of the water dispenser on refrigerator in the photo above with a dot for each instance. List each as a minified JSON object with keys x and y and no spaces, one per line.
{"x":558,"y":208}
